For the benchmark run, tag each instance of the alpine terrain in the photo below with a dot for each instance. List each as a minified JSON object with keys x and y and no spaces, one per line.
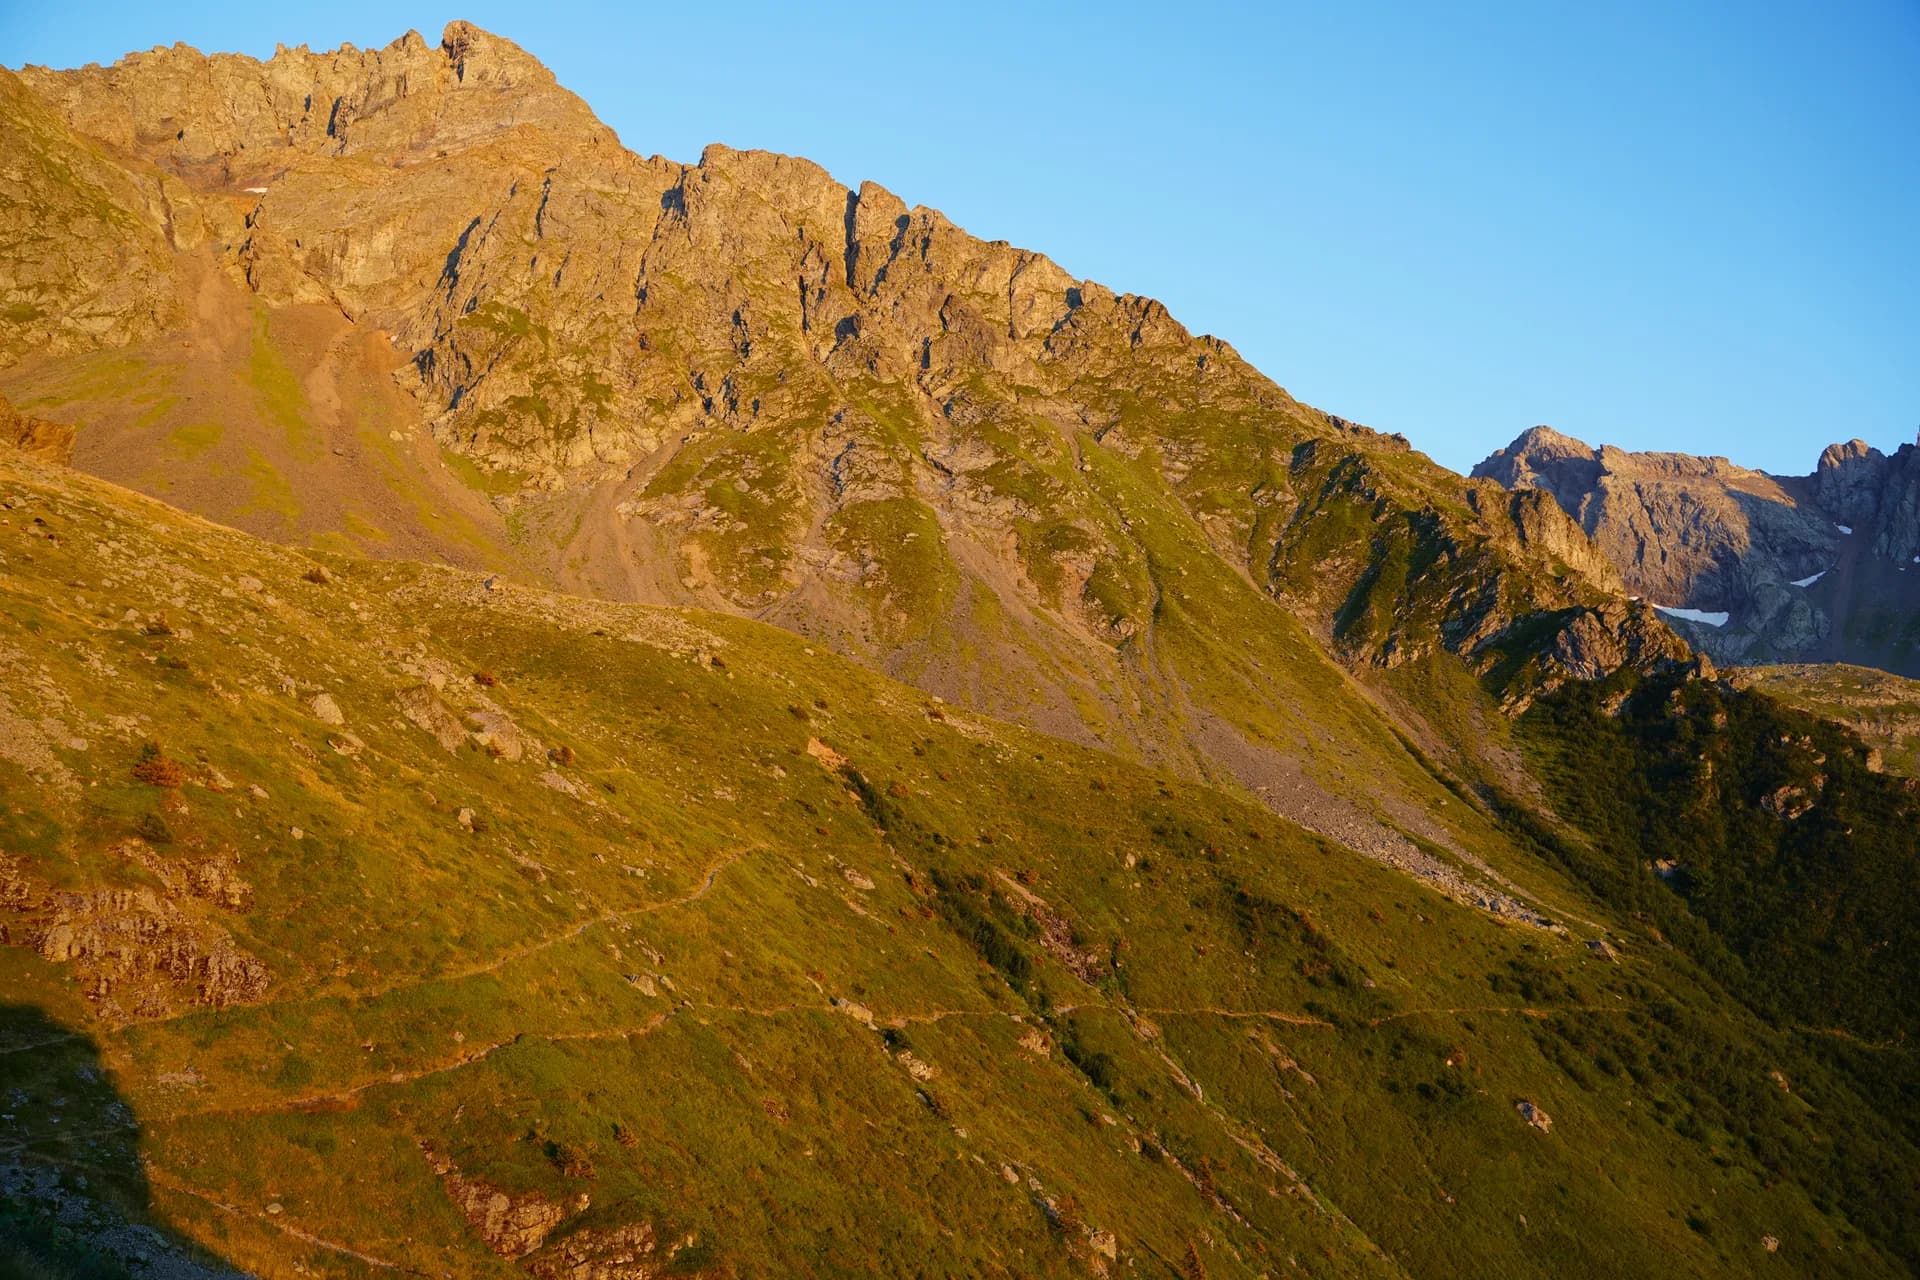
{"x":579,"y":715}
{"x":1756,"y":567}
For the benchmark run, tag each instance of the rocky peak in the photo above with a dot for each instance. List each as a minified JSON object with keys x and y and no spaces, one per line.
{"x":1849,"y":479}
{"x":1542,"y":458}
{"x":480,"y":58}
{"x":1822,"y":565}
{"x":190,"y":112}
{"x":1836,"y":456}
{"x":1544,"y":441}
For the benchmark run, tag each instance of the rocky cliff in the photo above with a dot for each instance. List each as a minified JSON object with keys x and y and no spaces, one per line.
{"x":1823,"y":567}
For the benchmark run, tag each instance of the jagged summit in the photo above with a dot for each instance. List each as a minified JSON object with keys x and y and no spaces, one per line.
{"x":1542,"y":458}
{"x":1545,"y":439}
{"x":189,"y":112}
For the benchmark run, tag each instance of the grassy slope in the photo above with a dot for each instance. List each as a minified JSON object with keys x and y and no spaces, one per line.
{"x":1883,"y":709}
{"x":1754,"y":838}
{"x":281,"y":421}
{"x":1286,"y":1056}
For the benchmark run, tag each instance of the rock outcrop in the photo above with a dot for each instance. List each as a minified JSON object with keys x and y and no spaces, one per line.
{"x":139,"y":952}
{"x":51,"y":441}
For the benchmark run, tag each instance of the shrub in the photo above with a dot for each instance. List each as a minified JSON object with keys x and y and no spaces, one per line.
{"x":569,"y":1159}
{"x":485,"y":679}
{"x":155,"y":768}
{"x":1097,"y":1066}
{"x":153,"y":829}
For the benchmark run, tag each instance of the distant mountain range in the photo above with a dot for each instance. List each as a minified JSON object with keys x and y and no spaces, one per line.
{"x":1753,"y":568}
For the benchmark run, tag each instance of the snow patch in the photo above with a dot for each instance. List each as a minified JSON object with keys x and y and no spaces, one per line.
{"x":1695,"y":615}
{"x":1807,"y":582}
{"x":1844,"y":528}
{"x":256,"y":191}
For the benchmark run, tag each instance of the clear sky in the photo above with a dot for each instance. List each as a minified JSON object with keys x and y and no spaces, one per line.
{"x":1662,"y":225}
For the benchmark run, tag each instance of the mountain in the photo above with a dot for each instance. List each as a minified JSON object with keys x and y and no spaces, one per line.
{"x":582,"y":715}
{"x":1816,"y":568}
{"x":418,"y":302}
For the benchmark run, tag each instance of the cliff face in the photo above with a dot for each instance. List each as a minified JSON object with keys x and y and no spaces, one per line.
{"x":1821,"y":567}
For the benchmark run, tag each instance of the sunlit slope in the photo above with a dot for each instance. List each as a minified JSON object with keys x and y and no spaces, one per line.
{"x":281,"y":421}
{"x":687,"y":944}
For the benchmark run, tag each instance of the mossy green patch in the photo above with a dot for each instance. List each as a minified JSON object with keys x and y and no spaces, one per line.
{"x":277,"y":391}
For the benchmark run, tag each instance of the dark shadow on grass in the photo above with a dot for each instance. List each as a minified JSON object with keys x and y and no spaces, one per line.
{"x":74,"y":1199}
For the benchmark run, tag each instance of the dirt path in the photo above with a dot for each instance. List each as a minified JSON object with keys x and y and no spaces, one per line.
{"x":494,"y":965}
{"x":1270,"y":1015}
{"x":31,"y":1045}
{"x":1506,"y":1009}
{"x":606,"y":917}
{"x":159,"y":1177}
{"x":471,"y":1057}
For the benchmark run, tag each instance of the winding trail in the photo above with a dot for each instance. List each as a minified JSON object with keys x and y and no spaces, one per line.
{"x":48,"y":1042}
{"x":494,"y":965}
{"x":506,"y":958}
{"x":1522,"y":1011}
{"x":1269,"y":1015}
{"x":159,"y":1177}
{"x":472,"y":1057}
{"x":480,"y":1053}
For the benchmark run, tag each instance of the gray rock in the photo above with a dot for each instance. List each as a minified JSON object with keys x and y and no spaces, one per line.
{"x":1819,"y":567}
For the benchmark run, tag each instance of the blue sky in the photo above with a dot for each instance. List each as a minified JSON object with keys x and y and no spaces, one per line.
{"x":1690,"y":227}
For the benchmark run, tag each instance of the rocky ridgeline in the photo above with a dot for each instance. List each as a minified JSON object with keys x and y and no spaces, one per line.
{"x":1824,"y":566}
